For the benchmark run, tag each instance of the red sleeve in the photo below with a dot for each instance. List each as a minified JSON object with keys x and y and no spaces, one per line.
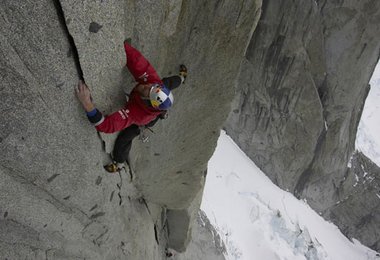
{"x":139,"y":66}
{"x":114,"y":122}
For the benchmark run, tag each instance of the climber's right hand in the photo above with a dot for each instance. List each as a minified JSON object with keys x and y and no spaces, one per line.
{"x":84,"y":96}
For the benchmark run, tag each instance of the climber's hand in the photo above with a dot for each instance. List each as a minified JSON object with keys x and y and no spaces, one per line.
{"x":84,"y":96}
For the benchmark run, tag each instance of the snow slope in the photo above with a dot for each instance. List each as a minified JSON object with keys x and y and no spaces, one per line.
{"x":258,"y":220}
{"x":368,"y":137}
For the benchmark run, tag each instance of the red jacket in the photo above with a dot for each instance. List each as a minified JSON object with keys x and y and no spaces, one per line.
{"x":136,"y":110}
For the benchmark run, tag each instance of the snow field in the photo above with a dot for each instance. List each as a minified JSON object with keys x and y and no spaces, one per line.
{"x":258,"y":220}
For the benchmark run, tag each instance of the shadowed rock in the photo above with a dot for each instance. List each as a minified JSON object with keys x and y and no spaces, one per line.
{"x":302,"y":89}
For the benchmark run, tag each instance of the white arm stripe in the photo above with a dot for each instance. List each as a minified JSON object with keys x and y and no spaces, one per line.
{"x":100,"y":121}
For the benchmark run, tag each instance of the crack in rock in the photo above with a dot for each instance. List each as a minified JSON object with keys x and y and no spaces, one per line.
{"x":98,"y":180}
{"x":97,"y":215}
{"x":94,"y":207}
{"x":156,"y":234}
{"x":51,"y":178}
{"x":119,"y":185}
{"x":111,"y":197}
{"x":74,"y":50}
{"x":143,"y":201}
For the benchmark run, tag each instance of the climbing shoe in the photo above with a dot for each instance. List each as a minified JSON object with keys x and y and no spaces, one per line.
{"x":113,"y":167}
{"x":183,"y":71}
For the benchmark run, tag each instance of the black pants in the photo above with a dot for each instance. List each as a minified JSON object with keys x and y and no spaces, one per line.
{"x":123,"y":142}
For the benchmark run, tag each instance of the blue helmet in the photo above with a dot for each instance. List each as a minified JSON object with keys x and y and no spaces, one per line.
{"x":160,"y":97}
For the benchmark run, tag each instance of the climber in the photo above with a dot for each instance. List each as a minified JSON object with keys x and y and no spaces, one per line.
{"x":148,"y":101}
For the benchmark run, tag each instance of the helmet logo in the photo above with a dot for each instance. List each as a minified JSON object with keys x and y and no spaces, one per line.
{"x":155,"y":103}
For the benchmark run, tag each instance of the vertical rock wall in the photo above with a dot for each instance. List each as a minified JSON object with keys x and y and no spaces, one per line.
{"x":302,"y":89}
{"x":209,"y":35}
{"x":56,"y":201}
{"x":278,"y":116}
{"x":357,"y":210}
{"x":302,"y":85}
{"x":205,"y":242}
{"x":352,"y":45}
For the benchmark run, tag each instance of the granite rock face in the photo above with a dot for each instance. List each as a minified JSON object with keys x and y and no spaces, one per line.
{"x":302,"y":87}
{"x":56,"y":201}
{"x":357,"y":210}
{"x":209,"y":34}
{"x":205,"y":242}
{"x":277,"y":116}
